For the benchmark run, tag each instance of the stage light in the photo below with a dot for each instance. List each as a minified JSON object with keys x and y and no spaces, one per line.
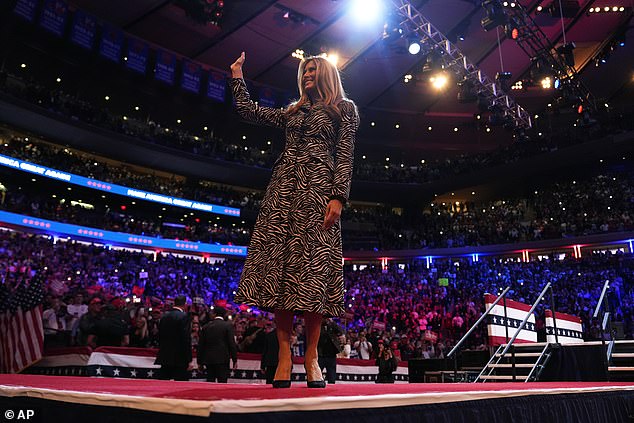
{"x":332,"y":58}
{"x":466,"y":92}
{"x":495,"y":15}
{"x":615,"y":9}
{"x":367,"y":10}
{"x":547,"y":83}
{"x":504,"y":79}
{"x":565,"y":8}
{"x":439,"y":81}
{"x":557,"y":83}
{"x":392,"y":30}
{"x":540,"y":8}
{"x":59,"y":80}
{"x":414,"y":47}
{"x":23,"y":65}
{"x":106,"y":98}
{"x":566,"y":51}
{"x":432,"y":63}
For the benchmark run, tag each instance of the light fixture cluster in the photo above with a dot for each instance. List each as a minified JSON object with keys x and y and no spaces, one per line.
{"x":519,"y":85}
{"x":331,"y":57}
{"x":607,"y":9}
{"x":407,"y":78}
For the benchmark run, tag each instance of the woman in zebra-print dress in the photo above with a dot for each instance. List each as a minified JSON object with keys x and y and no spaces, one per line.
{"x":294,"y":262}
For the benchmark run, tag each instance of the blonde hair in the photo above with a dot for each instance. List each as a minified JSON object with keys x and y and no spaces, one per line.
{"x":327,"y":82}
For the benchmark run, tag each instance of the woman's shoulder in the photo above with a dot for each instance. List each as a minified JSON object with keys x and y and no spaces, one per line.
{"x":347,"y":107}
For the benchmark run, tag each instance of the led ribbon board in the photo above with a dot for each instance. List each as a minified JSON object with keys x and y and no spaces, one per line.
{"x":119,"y":238}
{"x":114,"y":188}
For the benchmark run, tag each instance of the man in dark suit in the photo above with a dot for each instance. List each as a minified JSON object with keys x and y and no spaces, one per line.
{"x":175,"y":344}
{"x":216,"y":346}
{"x":269,"y":360}
{"x":328,"y":348}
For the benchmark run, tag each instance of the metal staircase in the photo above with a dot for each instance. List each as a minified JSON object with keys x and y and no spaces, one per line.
{"x":522,"y":363}
{"x":621,"y":368}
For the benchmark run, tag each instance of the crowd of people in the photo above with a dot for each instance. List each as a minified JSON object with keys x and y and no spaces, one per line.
{"x":99,"y":296}
{"x":599,"y":203}
{"x":230,"y":231}
{"x":21,"y":147}
{"x":74,"y":107}
{"x":595,"y":204}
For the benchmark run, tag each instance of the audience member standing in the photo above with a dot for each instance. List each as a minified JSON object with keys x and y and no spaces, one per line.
{"x":175,"y":350}
{"x":216,"y":346}
{"x":268,"y":364}
{"x":328,"y":347}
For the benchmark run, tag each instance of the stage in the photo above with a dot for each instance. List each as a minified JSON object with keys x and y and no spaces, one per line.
{"x":55,"y":398}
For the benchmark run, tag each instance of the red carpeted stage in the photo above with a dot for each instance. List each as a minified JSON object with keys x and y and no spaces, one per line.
{"x":124,"y":400}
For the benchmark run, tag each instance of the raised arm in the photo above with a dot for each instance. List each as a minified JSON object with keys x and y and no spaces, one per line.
{"x":247,"y":108}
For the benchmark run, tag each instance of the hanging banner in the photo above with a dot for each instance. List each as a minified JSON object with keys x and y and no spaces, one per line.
{"x":25,"y":9}
{"x":216,"y":86}
{"x":83,"y":30}
{"x":165,"y":67}
{"x":191,"y":77}
{"x":111,"y":42}
{"x":53,"y":17}
{"x":137,"y":55}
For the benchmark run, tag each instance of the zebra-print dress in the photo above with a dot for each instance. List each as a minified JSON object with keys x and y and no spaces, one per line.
{"x":292,"y":262}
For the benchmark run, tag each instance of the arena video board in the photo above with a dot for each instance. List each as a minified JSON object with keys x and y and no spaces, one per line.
{"x":119,"y":238}
{"x":114,"y":188}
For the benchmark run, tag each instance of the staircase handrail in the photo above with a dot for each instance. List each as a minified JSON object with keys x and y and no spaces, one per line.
{"x":475,"y":325}
{"x":528,"y":315}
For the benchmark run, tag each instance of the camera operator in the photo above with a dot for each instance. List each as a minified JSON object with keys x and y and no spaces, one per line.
{"x":387,"y":364}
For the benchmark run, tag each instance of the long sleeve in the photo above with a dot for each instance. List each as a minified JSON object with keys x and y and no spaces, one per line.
{"x":250,"y":111}
{"x":345,"y":151}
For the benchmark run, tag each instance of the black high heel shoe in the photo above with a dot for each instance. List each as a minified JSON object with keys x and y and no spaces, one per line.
{"x":283,"y":383}
{"x":316,"y":383}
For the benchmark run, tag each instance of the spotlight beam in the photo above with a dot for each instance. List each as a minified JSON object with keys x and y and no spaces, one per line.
{"x":456,"y":62}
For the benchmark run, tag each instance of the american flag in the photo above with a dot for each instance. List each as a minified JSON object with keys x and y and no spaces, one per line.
{"x":21,"y":329}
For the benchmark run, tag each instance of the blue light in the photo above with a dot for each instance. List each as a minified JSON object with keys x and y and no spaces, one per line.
{"x":108,"y":187}
{"x":557,"y":83}
{"x":118,"y":238}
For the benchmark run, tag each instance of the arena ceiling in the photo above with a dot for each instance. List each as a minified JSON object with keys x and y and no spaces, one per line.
{"x":373,"y":71}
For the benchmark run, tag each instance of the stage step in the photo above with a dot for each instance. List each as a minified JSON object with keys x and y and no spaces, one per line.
{"x":622,"y":355}
{"x":620,"y":369}
{"x":498,"y":377}
{"x":528,"y":345}
{"x":509,"y":355}
{"x":510,"y":366}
